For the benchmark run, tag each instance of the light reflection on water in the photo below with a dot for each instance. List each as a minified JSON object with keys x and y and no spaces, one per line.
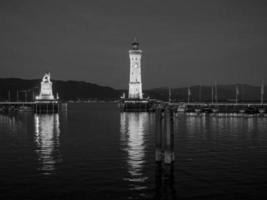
{"x":221,"y":125}
{"x":47,"y":132}
{"x":215,"y":157}
{"x":13,"y":123}
{"x":9,"y":122}
{"x":133,"y":129}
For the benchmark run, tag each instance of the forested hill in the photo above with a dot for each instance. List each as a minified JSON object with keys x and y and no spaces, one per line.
{"x":80,"y":90}
{"x":68,"y":90}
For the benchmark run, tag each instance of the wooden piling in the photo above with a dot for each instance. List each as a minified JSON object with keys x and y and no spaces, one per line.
{"x":164,"y":182}
{"x":168,"y":137}
{"x":158,"y":136}
{"x":172,"y":135}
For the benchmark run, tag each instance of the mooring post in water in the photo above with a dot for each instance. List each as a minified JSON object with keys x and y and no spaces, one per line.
{"x":164,"y":182}
{"x":168,"y":137}
{"x":172,"y":134}
{"x":158,"y":138}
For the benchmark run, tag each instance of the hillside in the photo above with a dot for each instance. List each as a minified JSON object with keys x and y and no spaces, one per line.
{"x":80,"y":90}
{"x":68,"y":90}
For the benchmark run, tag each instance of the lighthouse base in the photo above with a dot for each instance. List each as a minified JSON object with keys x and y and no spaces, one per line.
{"x":46,"y":107}
{"x":135,"y":105}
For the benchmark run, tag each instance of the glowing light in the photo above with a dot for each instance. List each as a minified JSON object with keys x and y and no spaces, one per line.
{"x":47,"y":133}
{"x":132,"y":137}
{"x":46,"y":92}
{"x":135,"y":84}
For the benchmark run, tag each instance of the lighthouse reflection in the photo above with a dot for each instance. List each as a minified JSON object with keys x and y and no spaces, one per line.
{"x":47,"y":133}
{"x":132,"y":128}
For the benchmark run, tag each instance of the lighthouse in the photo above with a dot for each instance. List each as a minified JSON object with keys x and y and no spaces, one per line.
{"x":135,"y":81}
{"x":135,"y":101}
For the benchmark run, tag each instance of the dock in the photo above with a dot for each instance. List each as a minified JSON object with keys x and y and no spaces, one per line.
{"x":216,"y":109}
{"x":130,"y":105}
{"x":35,"y":106}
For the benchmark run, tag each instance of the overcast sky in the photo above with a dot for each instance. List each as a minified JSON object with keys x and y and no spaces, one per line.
{"x":184,"y":42}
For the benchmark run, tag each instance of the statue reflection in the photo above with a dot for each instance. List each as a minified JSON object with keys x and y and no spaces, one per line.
{"x":47,"y":133}
{"x":133,"y":130}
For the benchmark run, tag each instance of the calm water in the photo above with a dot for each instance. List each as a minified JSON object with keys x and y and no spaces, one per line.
{"x":95,"y":152}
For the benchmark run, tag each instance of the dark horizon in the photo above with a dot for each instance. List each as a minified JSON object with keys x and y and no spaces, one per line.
{"x":184,"y":43}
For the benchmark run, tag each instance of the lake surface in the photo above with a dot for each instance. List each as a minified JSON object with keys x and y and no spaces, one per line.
{"x":93,"y":151}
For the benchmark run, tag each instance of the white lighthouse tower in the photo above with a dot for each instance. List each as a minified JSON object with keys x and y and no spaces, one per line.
{"x":135,"y":101}
{"x":135,"y":82}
